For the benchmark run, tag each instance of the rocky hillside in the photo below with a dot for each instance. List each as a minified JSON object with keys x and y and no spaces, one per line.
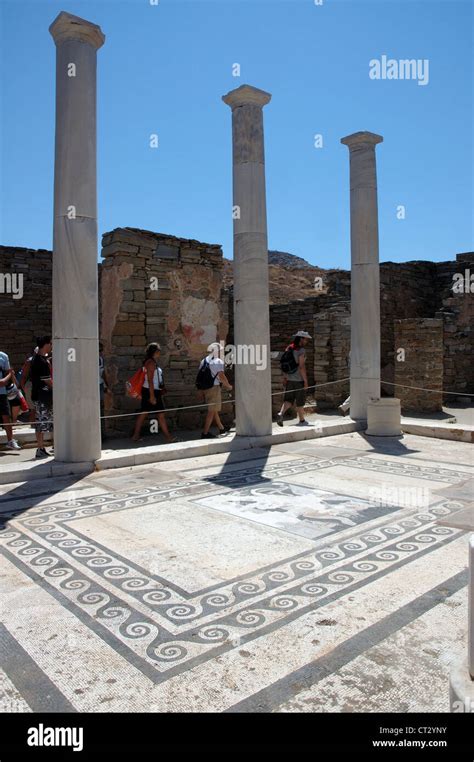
{"x":290,"y":277}
{"x":284,"y":259}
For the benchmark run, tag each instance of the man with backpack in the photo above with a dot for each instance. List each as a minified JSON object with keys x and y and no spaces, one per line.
{"x":295,"y":379}
{"x":208,"y":380}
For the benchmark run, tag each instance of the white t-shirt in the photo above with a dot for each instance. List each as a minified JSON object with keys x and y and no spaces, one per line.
{"x":216,"y":365}
{"x":157,"y":379}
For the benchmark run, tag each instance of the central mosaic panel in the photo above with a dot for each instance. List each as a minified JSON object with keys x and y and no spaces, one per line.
{"x":173,"y":575}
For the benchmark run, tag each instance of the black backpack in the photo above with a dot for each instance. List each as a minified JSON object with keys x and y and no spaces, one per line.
{"x":204,"y":378}
{"x":288,"y":363}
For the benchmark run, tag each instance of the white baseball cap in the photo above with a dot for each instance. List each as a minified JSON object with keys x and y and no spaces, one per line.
{"x":302,"y":335}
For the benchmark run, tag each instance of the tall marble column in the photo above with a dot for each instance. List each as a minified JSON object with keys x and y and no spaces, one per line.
{"x":75,"y":287}
{"x":253,"y":386}
{"x":365,"y":281}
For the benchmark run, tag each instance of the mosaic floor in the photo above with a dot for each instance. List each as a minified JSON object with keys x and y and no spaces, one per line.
{"x":312,"y":577}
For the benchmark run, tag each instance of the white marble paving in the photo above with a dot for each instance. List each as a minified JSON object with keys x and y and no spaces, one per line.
{"x":197,"y":589}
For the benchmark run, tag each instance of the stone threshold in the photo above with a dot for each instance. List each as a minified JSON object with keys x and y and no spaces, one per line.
{"x":438,"y":429}
{"x":138,"y":456}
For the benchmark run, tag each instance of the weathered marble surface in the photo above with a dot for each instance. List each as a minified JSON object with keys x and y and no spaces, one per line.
{"x":202,"y":591}
{"x":251,"y":290}
{"x":365,"y":280}
{"x":75,"y":288}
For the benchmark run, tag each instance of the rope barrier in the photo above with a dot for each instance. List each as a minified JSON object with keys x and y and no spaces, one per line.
{"x":185,"y":407}
{"x":422,"y":389}
{"x":274,"y":394}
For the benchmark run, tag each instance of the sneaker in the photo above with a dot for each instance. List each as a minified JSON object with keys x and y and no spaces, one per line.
{"x":303,"y":423}
{"x":279,"y":419}
{"x":41,"y":453}
{"x":208,"y":436}
{"x":12,"y":445}
{"x":225,"y":430}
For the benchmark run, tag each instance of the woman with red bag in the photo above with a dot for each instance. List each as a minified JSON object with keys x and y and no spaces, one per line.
{"x":152,"y":393}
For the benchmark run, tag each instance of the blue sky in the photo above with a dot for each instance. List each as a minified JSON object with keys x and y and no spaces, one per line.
{"x":164,"y":68}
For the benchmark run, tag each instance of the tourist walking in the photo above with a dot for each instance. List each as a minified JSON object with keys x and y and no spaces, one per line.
{"x":209,"y":380}
{"x":42,"y":393}
{"x":152,"y":393}
{"x":295,"y":378}
{"x":24,"y":378}
{"x":7,"y":386}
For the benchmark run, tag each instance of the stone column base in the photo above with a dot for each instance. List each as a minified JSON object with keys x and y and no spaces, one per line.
{"x":383,"y":417}
{"x":461,"y":689}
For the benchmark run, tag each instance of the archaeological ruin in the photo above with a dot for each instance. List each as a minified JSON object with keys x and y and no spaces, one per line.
{"x":392,"y":329}
{"x":193,"y":306}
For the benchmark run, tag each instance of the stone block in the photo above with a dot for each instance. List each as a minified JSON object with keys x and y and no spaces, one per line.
{"x":164,"y":251}
{"x":128,"y":328}
{"x":119,"y":248}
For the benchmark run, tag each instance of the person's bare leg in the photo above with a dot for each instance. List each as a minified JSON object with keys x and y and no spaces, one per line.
{"x":217,"y":421}
{"x":300,"y":411}
{"x":164,"y":427}
{"x":8,"y":427}
{"x":138,"y":426}
{"x":286,"y":406}
{"x":208,"y":421}
{"x":40,"y":440}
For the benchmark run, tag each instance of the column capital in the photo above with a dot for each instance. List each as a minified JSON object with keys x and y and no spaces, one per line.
{"x":361,"y":138}
{"x":68,"y":27}
{"x":246,"y":95}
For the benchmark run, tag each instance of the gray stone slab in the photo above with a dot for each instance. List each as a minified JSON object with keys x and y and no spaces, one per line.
{"x":462,"y":491}
{"x":463,"y":519}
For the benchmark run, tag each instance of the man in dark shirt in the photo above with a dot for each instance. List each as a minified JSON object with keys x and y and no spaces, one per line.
{"x":42,"y":393}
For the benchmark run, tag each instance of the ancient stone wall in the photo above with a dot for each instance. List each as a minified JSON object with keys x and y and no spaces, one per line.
{"x":190,"y":308}
{"x":455,"y":288}
{"x":23,"y":319}
{"x":332,"y":332}
{"x":419,"y":364}
{"x":160,"y":288}
{"x":407,"y":290}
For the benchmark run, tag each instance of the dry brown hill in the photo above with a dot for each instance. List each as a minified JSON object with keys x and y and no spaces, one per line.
{"x":287,"y":283}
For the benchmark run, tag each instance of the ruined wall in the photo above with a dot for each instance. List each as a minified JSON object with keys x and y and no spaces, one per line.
{"x":25,"y":318}
{"x":332,"y":332}
{"x":191,"y":308}
{"x":407,"y":290}
{"x":160,"y":288}
{"x":420,"y":364}
{"x":455,"y":289}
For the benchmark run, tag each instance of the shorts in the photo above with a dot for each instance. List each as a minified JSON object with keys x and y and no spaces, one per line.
{"x":295,"y":393}
{"x":44,"y":417}
{"x":6,"y":405}
{"x":146,"y":406}
{"x":213,"y":398}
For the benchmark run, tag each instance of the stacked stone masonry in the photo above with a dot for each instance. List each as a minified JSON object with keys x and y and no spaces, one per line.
{"x":165,"y":289}
{"x":419,"y":364}
{"x":190,"y":308}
